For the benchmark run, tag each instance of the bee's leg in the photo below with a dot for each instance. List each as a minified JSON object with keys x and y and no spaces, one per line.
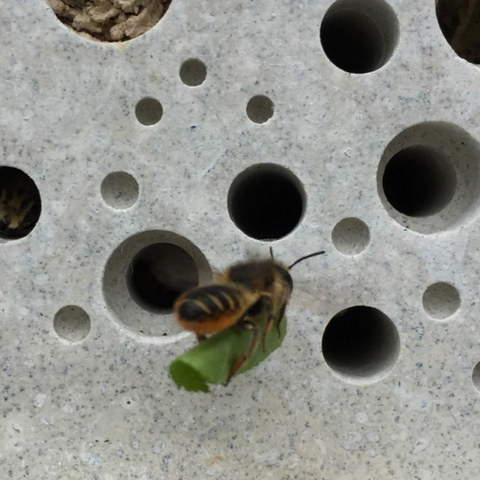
{"x":245,"y":325}
{"x":201,"y":338}
{"x":268,"y":309}
{"x":281,"y":314}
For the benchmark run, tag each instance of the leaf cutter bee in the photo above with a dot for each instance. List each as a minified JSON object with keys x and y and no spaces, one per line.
{"x":244,"y":291}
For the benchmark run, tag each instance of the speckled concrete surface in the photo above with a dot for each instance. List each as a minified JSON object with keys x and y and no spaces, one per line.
{"x":97,"y":403}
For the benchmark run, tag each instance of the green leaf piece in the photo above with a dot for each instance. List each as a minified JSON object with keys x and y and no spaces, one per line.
{"x":210,"y":361}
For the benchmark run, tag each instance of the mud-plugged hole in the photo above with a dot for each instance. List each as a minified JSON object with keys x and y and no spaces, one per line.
{"x":359,"y":36}
{"x":361,"y":344}
{"x":107,"y":21}
{"x":266,"y":201}
{"x":20,"y":203}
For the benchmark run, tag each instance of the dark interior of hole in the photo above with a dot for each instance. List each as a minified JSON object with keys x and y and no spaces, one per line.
{"x":158,"y":274}
{"x":266,"y":205}
{"x":20,"y":203}
{"x":352,"y":42}
{"x":417,"y":184}
{"x":193,"y":72}
{"x":359,"y":341}
{"x":260,"y":109}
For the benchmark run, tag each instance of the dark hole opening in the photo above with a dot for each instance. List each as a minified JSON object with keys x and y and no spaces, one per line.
{"x":158,"y":274}
{"x":20,"y":203}
{"x":266,"y":203}
{"x":352,"y":41}
{"x":419,"y":181}
{"x":360,"y":342}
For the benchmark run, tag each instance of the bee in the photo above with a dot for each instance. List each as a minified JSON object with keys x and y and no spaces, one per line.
{"x":19,"y":203}
{"x":244,"y":291}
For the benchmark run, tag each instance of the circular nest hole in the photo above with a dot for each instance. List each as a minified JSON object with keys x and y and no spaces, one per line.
{"x":260,"y":109}
{"x":145,"y":274}
{"x":429,"y":177}
{"x":476,"y":376}
{"x":359,"y":36}
{"x":441,"y":300}
{"x":419,"y":181}
{"x":158,"y":274}
{"x":107,"y":21}
{"x":20,"y":204}
{"x":119,"y":190}
{"x":72,"y":323}
{"x":266,"y":201}
{"x":350,"y":236}
{"x":459,"y":22}
{"x":149,"y":111}
{"x":361,"y":344}
{"x":193,"y":72}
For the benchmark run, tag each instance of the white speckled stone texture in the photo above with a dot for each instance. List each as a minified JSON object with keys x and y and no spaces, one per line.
{"x":104,"y":407}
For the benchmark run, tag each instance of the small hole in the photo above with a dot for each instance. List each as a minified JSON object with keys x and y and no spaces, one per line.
{"x":266,"y":201}
{"x":350,"y":236}
{"x":158,"y":274}
{"x":149,"y":111}
{"x":119,"y":190}
{"x":260,"y":109}
{"x":359,"y":36}
{"x":476,"y":376}
{"x":107,"y":20}
{"x":193,"y":72}
{"x":20,"y":204}
{"x":419,"y":181}
{"x":72,"y":323}
{"x":460,"y":24}
{"x":441,"y":300}
{"x":361,"y":344}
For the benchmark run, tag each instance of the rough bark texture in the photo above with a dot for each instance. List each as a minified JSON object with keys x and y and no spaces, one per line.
{"x":110,"y":20}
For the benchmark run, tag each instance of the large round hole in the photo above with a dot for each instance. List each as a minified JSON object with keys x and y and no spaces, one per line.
{"x":159,"y":273}
{"x":107,"y":20}
{"x":361,"y":344}
{"x":359,"y":36}
{"x":441,"y":300}
{"x":20,"y":204}
{"x":144,"y":275}
{"x":266,"y":201}
{"x":428,"y":178}
{"x":419,"y":181}
{"x":459,"y":22}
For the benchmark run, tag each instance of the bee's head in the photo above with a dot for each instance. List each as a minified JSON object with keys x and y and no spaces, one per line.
{"x":285,"y":277}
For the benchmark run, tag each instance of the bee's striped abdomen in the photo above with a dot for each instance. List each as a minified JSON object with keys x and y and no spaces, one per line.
{"x":211,"y":301}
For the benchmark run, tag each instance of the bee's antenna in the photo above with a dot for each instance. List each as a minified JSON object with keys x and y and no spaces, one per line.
{"x":304,"y":258}
{"x":271,"y":253}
